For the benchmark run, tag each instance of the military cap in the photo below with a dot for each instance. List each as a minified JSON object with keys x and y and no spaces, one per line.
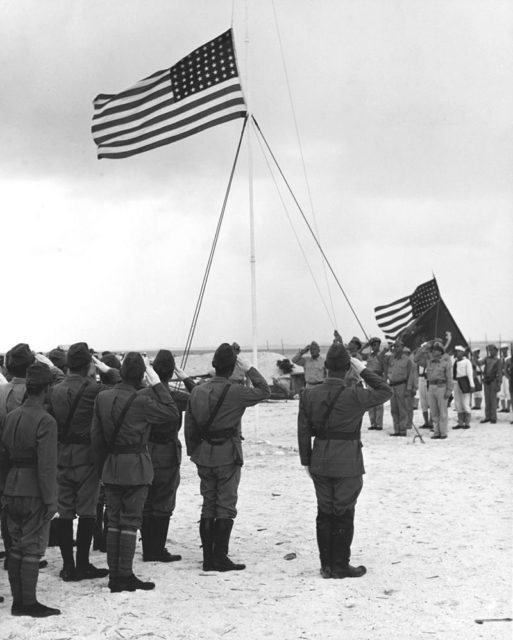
{"x":356,"y":341}
{"x":58,"y":357}
{"x":133,"y":366}
{"x":19,"y":358}
{"x":224,"y":357}
{"x":459,"y":348}
{"x":111,"y":360}
{"x":164,"y":363}
{"x":492,"y":346}
{"x":337,"y":358}
{"x":78,"y":355}
{"x":38,"y":374}
{"x":438,"y":346}
{"x":374,"y":340}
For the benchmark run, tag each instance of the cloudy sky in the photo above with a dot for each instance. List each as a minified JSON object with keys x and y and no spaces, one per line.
{"x":404,"y":134}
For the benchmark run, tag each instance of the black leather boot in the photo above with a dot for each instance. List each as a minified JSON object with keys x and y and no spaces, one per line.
{"x":158,"y":551}
{"x":206,"y":530}
{"x":220,"y":560}
{"x":323,"y":530}
{"x":147,"y":538}
{"x":341,"y":538}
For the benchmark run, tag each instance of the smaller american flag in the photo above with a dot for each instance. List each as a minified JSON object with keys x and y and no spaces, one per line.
{"x":394,"y":317}
{"x":200,"y":91}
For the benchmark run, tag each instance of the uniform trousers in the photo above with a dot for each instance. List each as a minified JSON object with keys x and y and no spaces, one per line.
{"x":438,"y":408}
{"x":28,"y":525}
{"x":376,"y":416}
{"x":423,"y":394}
{"x":125,"y":505}
{"x":161,"y":500}
{"x":399,"y":408}
{"x":79,"y":488}
{"x":490,"y":399}
{"x":219,"y":486}
{"x":336,"y":495}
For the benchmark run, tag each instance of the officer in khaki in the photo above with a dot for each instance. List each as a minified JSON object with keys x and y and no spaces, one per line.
{"x":121,"y":428}
{"x":28,"y":460}
{"x":332,"y":413}
{"x":401,"y":377}
{"x":439,"y":377}
{"x":213,"y":439}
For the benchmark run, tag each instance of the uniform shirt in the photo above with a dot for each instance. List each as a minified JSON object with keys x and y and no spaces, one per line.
{"x":491,"y":369}
{"x":337,"y":458}
{"x":402,"y":370}
{"x":377,"y":363}
{"x":30,"y":434}
{"x":315,"y":369}
{"x":128,"y":469}
{"x":11,"y":396}
{"x":74,"y":454}
{"x":203,"y":399}
{"x":440,"y":372}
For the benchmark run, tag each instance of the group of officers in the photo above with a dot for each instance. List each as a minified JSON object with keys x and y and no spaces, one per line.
{"x":80,"y":431}
{"x":437,"y":376}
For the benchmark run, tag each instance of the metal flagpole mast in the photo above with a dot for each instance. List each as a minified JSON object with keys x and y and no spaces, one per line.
{"x":252,"y":247}
{"x":252,"y":244}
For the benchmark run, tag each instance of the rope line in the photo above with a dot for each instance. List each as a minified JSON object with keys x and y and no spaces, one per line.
{"x":309,"y":226}
{"x":211,"y":255}
{"x":303,"y":163}
{"x":331,"y":319}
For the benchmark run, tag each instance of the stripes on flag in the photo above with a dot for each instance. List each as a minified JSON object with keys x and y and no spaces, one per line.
{"x":392,"y":318}
{"x":201,"y":91}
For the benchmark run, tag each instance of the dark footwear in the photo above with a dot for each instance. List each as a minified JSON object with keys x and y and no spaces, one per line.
{"x":483,"y":421}
{"x":349,"y":572}
{"x":36,"y":610}
{"x":220,"y":559}
{"x":119,"y":584}
{"x":133,"y":581}
{"x":373,"y":428}
{"x":459,"y":426}
{"x":90,"y":572}
{"x":43,"y":564}
{"x":67,"y":573}
{"x":326,"y":572}
{"x":206,"y":530}
{"x":493,"y":421}
{"x":163,"y":556}
{"x":443,"y":437}
{"x":436,"y":437}
{"x":394,"y":434}
{"x":467,"y":426}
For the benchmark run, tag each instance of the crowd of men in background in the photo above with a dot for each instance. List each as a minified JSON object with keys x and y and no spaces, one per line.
{"x":434,"y":376}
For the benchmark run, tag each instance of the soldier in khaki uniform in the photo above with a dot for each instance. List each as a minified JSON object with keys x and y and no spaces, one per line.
{"x":72,"y":403}
{"x":213,"y":439}
{"x":122,"y":422}
{"x":439,"y":377}
{"x":166,"y":455}
{"x":28,"y":459}
{"x":332,"y":413}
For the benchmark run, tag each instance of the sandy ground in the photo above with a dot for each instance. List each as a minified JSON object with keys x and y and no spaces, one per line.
{"x":433,"y":527}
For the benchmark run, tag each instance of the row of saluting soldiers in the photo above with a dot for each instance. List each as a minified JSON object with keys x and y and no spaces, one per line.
{"x":66,"y":437}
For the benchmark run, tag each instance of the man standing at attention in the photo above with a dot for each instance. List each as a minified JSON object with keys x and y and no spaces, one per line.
{"x":377,"y":363}
{"x":492,"y":376}
{"x":28,"y":462}
{"x":332,"y":413}
{"x":315,"y":371}
{"x":213,"y":439}
{"x":401,"y":377}
{"x":463,"y":376}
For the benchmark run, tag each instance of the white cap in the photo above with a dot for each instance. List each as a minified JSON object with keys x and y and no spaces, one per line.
{"x":459,"y":348}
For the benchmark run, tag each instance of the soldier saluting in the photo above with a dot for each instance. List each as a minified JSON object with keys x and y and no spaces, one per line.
{"x":332,"y":413}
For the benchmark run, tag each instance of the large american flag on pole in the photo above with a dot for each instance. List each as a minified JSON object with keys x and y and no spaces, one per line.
{"x":200,"y":91}
{"x":392,"y":318}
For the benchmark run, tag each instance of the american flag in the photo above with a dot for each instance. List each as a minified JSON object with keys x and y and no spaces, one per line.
{"x":394,"y":317}
{"x":200,"y":91}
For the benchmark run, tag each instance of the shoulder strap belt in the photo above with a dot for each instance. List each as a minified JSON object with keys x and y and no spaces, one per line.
{"x":72,"y":410}
{"x":119,"y":421}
